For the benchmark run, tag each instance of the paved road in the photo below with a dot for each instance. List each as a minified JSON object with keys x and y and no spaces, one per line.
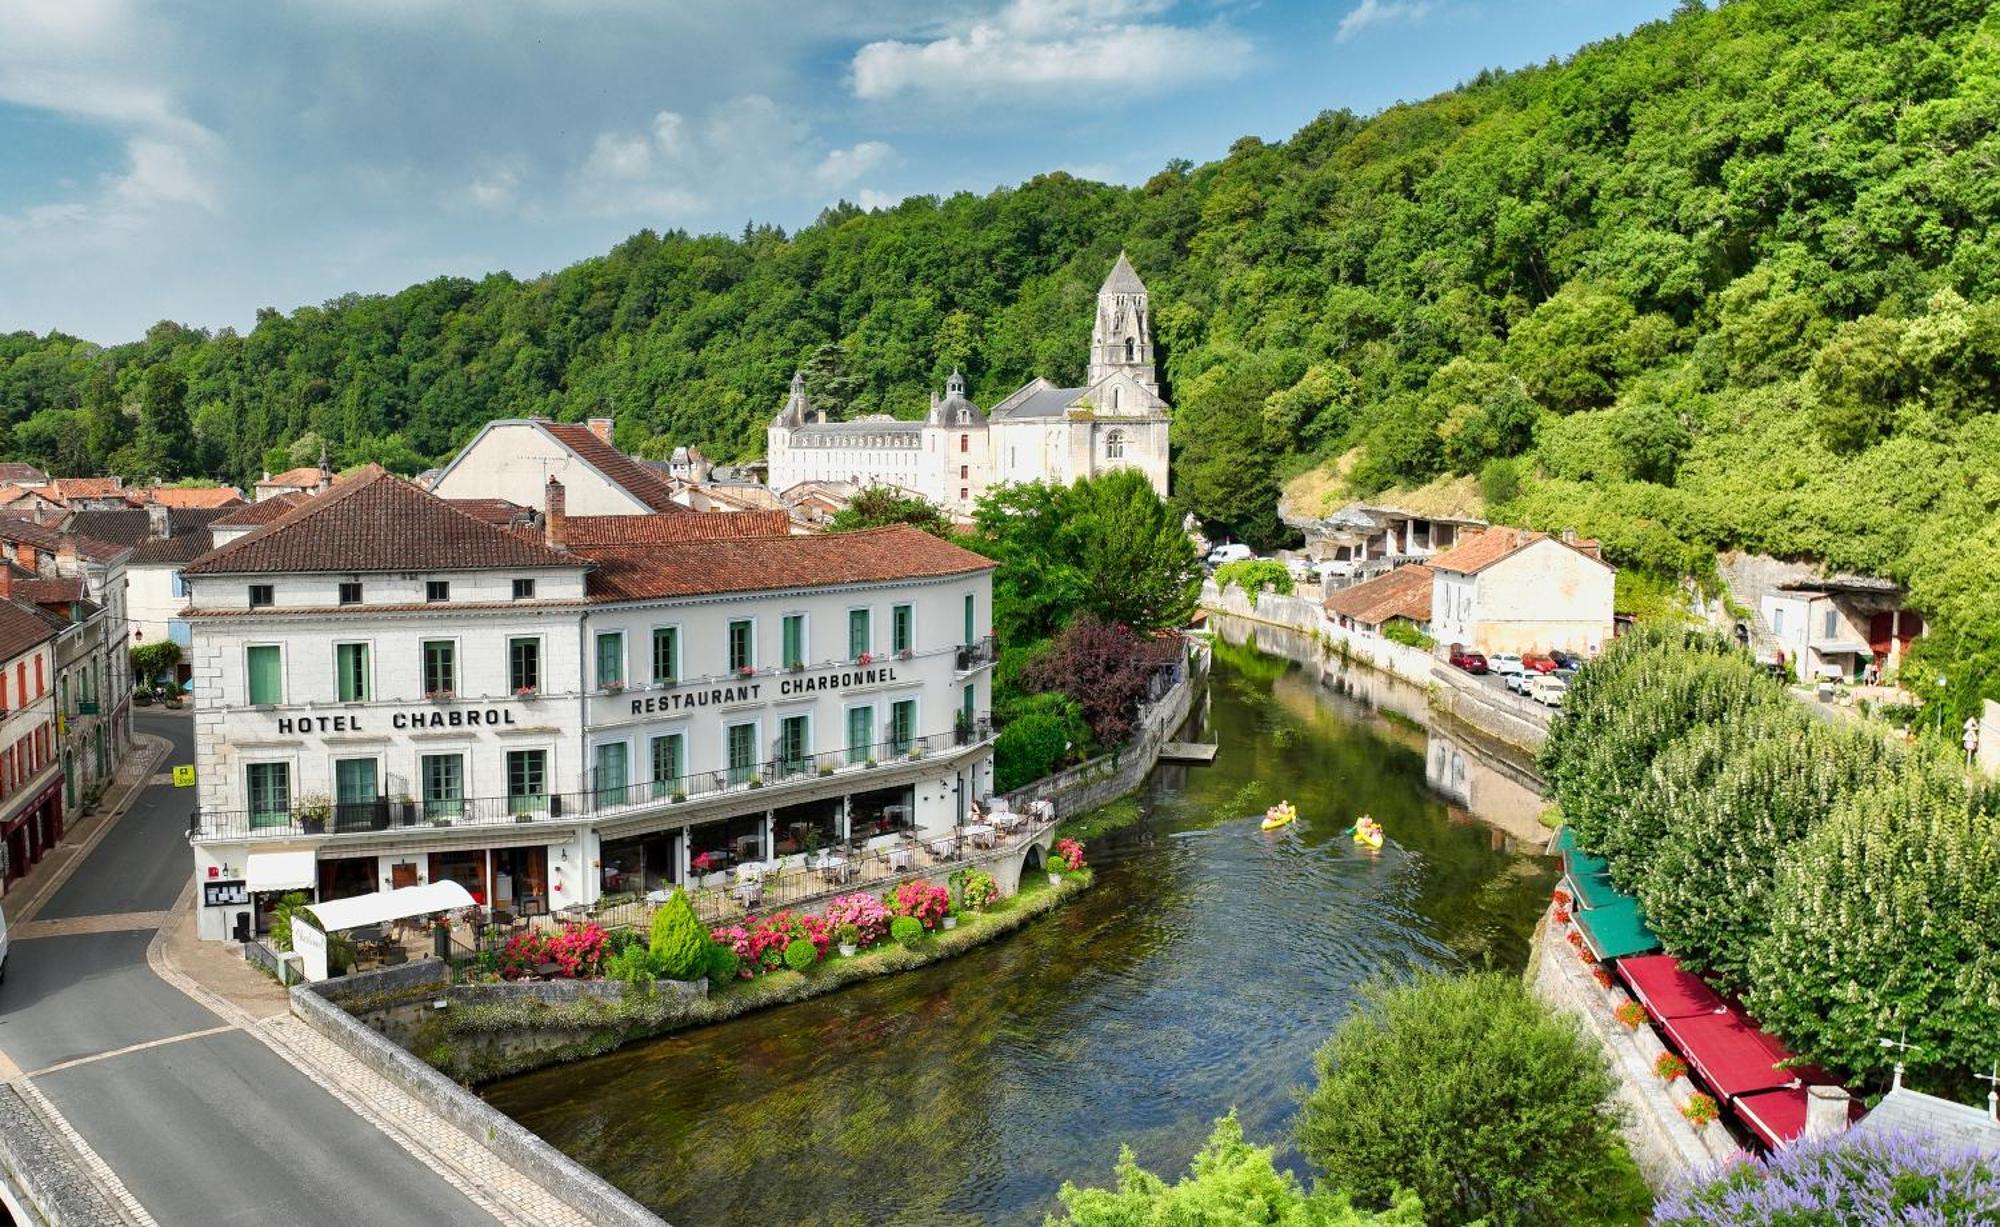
{"x":202,"y":1122}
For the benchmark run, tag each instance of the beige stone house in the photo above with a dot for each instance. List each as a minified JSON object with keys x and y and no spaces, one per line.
{"x":1509,"y":590}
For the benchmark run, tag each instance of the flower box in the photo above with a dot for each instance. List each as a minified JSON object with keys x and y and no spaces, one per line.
{"x":527,"y":692}
{"x":1700,"y":1109}
{"x":440,"y":696}
{"x":1632,"y":1014}
{"x":1669,"y":1067}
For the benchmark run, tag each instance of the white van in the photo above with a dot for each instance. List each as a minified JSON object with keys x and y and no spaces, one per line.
{"x":1235,"y":551}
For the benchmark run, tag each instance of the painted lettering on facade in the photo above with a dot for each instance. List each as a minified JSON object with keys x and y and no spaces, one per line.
{"x":427,"y":718}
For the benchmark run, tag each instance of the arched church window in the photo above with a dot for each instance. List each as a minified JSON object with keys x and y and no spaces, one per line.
{"x":1131,"y":350}
{"x":1114,"y":397}
{"x":1114,"y":445}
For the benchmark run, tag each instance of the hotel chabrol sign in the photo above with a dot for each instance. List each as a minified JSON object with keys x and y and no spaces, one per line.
{"x":429,"y":717}
{"x":837,"y":678}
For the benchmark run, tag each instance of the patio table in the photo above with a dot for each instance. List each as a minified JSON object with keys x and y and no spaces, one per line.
{"x":832,"y":868}
{"x":1007,"y":821}
{"x":944,"y":847}
{"x":980,"y":834}
{"x":901,"y":858}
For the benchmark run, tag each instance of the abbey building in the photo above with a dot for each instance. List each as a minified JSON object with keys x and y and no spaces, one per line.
{"x":1041,"y":432}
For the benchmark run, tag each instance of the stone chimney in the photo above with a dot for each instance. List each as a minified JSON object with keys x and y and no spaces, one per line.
{"x":25,"y":555}
{"x":555,"y":515}
{"x":325,"y":470}
{"x":1826,"y":1111}
{"x":158,"y":523}
{"x":6,"y":582}
{"x":601,"y":427}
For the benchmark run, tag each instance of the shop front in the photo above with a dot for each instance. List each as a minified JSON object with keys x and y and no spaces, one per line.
{"x":514,"y":879}
{"x":33,"y":830}
{"x":640,"y":864}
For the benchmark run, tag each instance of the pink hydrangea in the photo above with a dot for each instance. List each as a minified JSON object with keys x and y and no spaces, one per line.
{"x":926,"y":901}
{"x":864,"y":911}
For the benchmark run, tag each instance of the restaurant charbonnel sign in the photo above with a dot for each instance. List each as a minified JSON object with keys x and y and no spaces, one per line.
{"x":838,"y":678}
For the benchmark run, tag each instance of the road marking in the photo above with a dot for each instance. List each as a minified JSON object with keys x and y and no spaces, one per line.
{"x":112,"y":922}
{"x":130,"y":1048}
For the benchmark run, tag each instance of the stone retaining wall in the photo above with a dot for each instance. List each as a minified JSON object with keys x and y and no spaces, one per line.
{"x":563,"y":992}
{"x":1668,"y":1150}
{"x":577,"y":1186}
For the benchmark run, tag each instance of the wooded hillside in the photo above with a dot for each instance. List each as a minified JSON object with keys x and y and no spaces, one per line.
{"x":1729,"y":281}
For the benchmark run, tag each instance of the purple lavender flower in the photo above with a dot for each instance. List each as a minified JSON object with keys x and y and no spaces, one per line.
{"x":1870,"y":1180}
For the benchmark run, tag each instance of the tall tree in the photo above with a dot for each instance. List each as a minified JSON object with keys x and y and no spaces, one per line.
{"x":166,"y":446}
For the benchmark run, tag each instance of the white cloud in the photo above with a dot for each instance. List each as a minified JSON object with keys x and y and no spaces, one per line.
{"x":497,"y":183}
{"x":742,"y":152}
{"x":1371,"y":13}
{"x":1047,"y":50}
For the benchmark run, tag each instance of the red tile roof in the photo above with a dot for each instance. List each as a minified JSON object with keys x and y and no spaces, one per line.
{"x":21,"y":628}
{"x":20,"y":470}
{"x":659,"y":529}
{"x":372,"y":520}
{"x":1483,"y":549}
{"x":49,"y":540}
{"x":305,"y":477}
{"x":752,"y":564}
{"x":1403,"y":593}
{"x":263,"y":511}
{"x":186,"y":496}
{"x":67,"y":488}
{"x":492,"y":510}
{"x":641,"y":482}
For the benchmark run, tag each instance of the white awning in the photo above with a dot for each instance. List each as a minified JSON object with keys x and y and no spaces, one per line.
{"x":280,"y":870}
{"x":387,"y":905}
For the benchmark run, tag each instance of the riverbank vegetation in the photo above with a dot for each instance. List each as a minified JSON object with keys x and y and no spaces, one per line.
{"x":1833,"y":1182}
{"x":1842,"y":886}
{"x":1445,"y":1099}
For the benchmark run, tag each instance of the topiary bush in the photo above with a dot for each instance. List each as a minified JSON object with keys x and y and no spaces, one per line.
{"x":719,"y":964}
{"x":679,"y":944}
{"x":906,"y":930}
{"x":801,"y":954}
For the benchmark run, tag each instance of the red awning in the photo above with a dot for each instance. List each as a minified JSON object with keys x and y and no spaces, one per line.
{"x":1730,"y":1055}
{"x":1779,"y":1116}
{"x":1665,"y":989}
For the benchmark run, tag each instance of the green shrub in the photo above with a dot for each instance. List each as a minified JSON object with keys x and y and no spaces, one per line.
{"x":1252,"y":574}
{"x":283,"y":917}
{"x":679,"y":943}
{"x":906,"y":930}
{"x":634,"y":965}
{"x":1469,"y":1092}
{"x":719,"y":963}
{"x":1405,"y":632}
{"x":801,"y":954}
{"x":1230,"y":1184}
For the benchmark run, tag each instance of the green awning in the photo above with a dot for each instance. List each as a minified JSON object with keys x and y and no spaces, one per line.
{"x":1616,"y":930}
{"x":1565,"y":841}
{"x":1575,"y":859}
{"x":1594,"y":890}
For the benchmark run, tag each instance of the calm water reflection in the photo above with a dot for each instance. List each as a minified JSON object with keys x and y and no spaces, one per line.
{"x":1200,"y":974}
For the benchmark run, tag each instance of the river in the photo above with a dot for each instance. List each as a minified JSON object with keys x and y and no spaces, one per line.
{"x":1200,"y":973}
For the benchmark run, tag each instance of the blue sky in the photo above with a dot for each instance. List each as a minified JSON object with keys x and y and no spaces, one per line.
{"x":199,"y":159}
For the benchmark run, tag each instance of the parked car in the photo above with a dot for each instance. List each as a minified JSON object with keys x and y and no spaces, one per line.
{"x":1471,"y":662}
{"x":1518,"y":682}
{"x":1235,"y":551}
{"x":1567,"y":674}
{"x":1535,"y":663}
{"x":1547,"y":690}
{"x":1505,"y":662}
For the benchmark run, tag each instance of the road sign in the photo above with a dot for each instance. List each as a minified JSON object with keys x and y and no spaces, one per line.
{"x":184,"y":776}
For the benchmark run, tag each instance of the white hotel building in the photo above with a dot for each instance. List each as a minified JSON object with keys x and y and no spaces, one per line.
{"x":390,"y":691}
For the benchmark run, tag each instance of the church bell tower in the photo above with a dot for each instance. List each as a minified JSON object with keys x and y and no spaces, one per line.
{"x":1122,"y":339}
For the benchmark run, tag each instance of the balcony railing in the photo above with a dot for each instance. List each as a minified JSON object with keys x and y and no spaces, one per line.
{"x":976,"y":655}
{"x":621,"y":800}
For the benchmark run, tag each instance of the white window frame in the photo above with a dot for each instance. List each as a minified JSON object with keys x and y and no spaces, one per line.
{"x":368,"y":683}
{"x":457,"y":661}
{"x":284,"y":673}
{"x":624,"y":658}
{"x":805,"y":637}
{"x":728,"y":629}
{"x":874,"y":730}
{"x":756,"y":724}
{"x":680,"y":646}
{"x":847,"y":644}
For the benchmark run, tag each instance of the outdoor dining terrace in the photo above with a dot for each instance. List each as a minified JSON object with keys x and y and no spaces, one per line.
{"x":308,"y":817}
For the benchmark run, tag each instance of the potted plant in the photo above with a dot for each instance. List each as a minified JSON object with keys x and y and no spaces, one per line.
{"x":756,"y":781}
{"x":866,"y":658}
{"x":825,"y":769}
{"x":869,"y":765}
{"x":1632,"y":1014}
{"x":746,"y":670}
{"x":1057,"y":867}
{"x":312,"y":811}
{"x":906,"y":654}
{"x":526,"y":692}
{"x":439,"y":696}
{"x":679,"y":796}
{"x":1669,"y":1067}
{"x":406,"y":810}
{"x":612,"y":687}
{"x":1700,"y":1109}
{"x":950,"y":920}
{"x":850,"y":940}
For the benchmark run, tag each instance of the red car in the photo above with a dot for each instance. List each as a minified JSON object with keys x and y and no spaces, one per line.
{"x":1537,"y":663}
{"x":1471,"y":662}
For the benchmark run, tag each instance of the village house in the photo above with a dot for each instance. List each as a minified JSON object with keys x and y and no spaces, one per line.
{"x":31,"y":787}
{"x":1510,"y":590}
{"x":1373,"y":605}
{"x":391,"y":691}
{"x":515,"y":455}
{"x":1836,"y":628}
{"x":1364,"y":540}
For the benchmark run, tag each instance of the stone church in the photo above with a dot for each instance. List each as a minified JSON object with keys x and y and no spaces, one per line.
{"x":1038,"y":433}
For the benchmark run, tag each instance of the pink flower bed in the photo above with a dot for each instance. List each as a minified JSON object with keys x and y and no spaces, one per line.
{"x":865,"y":912}
{"x":926,"y":901}
{"x":1069,"y":852}
{"x":760,"y":943}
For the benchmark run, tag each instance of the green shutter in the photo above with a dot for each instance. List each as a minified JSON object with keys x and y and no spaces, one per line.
{"x":351,"y":670}
{"x":267,"y":676}
{"x":860,"y":734}
{"x":857,"y":633}
{"x":795,"y":640}
{"x":901,"y":622}
{"x":665,"y":650}
{"x":968,"y":618}
{"x":610,"y":659}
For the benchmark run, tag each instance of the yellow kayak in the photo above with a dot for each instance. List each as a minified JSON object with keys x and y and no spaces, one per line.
{"x":1368,"y":833}
{"x":1278,"y":815}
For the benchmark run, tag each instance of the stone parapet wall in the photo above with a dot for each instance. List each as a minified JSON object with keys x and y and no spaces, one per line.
{"x":575,"y":1185}
{"x":39,"y":1170}
{"x":1668,"y":1149}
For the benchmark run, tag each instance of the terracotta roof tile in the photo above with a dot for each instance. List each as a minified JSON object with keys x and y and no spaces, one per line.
{"x":492,"y":510}
{"x":21,"y":628}
{"x":134,"y":525}
{"x":581,"y":531}
{"x":263,"y":511}
{"x":52,"y":540}
{"x":1403,"y":593}
{"x":305,"y":477}
{"x":20,"y":470}
{"x":751,"y":564}
{"x":640,"y":481}
{"x":1481,"y":550}
{"x":372,"y":520}
{"x":67,"y":488}
{"x":186,"y":496}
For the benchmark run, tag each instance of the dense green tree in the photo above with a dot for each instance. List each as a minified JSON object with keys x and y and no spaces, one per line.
{"x":876,"y":506}
{"x":1470,"y":1092}
{"x":1231,"y":1183}
{"x":166,"y":446}
{"x":678,"y":942}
